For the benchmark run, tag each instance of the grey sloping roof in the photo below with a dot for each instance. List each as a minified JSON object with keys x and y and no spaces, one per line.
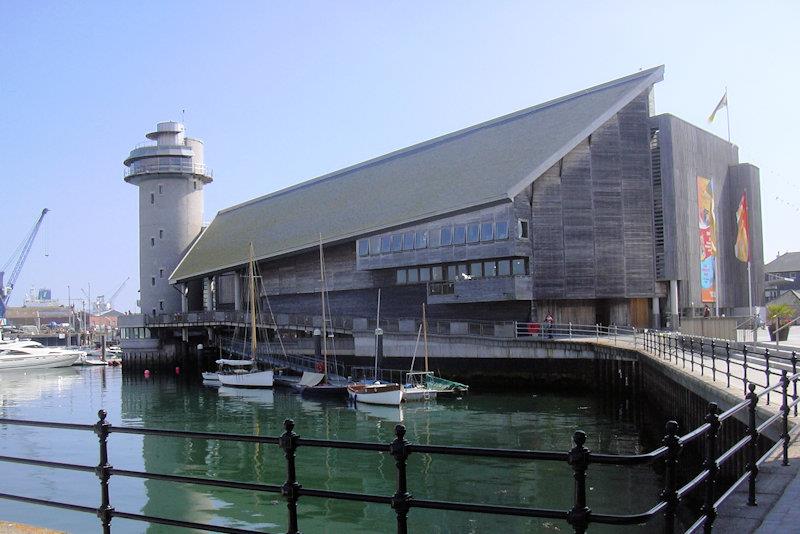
{"x":784,"y":263}
{"x":484,"y":164}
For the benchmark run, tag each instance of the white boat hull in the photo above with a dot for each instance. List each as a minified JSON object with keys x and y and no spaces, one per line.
{"x":383,"y":398}
{"x":211,"y":377}
{"x":257,"y":379}
{"x":37,"y":361}
{"x":418,"y":394}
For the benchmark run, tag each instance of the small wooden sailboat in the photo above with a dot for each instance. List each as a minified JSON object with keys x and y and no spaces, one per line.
{"x":414,"y":388}
{"x":376,"y":392}
{"x":316,"y":384}
{"x":245,"y":374}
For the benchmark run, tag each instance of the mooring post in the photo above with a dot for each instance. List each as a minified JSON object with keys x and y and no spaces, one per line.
{"x":401,"y":500}
{"x":785,"y":412}
{"x":713,"y":362}
{"x":103,"y":471}
{"x":578,"y":458}
{"x":753,"y":431}
{"x":290,"y":489}
{"x":709,"y":510}
{"x":728,"y":361}
{"x":670,"y":493}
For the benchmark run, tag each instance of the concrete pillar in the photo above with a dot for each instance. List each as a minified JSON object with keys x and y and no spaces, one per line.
{"x":674,"y":305}
{"x":237,"y":292}
{"x":656,"y":313}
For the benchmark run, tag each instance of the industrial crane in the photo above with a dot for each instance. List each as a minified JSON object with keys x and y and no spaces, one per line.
{"x":102,"y":305}
{"x":18,"y":260}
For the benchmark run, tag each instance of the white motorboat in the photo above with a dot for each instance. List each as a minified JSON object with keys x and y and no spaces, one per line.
{"x":32,"y":355}
{"x":376,"y":393}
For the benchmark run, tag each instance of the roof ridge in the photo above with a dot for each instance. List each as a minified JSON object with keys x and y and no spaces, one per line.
{"x":423,"y":145}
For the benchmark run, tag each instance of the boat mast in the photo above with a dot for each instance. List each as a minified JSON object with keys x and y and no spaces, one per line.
{"x":324,"y":323}
{"x":252,"y":305}
{"x":425,"y":335}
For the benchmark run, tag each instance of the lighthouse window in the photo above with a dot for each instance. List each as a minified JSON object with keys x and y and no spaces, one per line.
{"x":161,"y":234}
{"x":161,"y":305}
{"x":160,"y":189}
{"x":194,"y":183}
{"x":161,"y":273}
{"x":152,"y":241}
{"x":152,"y":198}
{"x":152,"y":280}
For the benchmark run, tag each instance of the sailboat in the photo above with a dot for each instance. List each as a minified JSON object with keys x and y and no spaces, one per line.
{"x":314,"y":384}
{"x":245,"y":373}
{"x":376,"y":392}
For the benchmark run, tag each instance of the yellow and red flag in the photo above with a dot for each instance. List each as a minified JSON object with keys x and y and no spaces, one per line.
{"x":742,"y":246}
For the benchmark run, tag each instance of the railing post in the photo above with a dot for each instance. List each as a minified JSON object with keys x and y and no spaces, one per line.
{"x":702,"y":367}
{"x":794,"y":382}
{"x":670,"y":493}
{"x":753,"y":431}
{"x":712,"y":418}
{"x":713,"y":362}
{"x":103,"y":428}
{"x":785,"y":411}
{"x":766,"y":371}
{"x":578,"y":458}
{"x":744,"y":367}
{"x":728,"y":361}
{"x":691,"y":352}
{"x":290,"y":489}
{"x":401,"y":500}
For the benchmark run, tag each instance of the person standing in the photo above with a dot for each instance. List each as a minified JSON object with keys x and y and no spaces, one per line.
{"x":706,"y":312}
{"x":549,"y":322}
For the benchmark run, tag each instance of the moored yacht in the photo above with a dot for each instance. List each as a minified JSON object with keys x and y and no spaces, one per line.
{"x":32,"y":355}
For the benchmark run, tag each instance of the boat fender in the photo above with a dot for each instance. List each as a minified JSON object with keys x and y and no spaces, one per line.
{"x":177,"y":370}
{"x":147,"y":373}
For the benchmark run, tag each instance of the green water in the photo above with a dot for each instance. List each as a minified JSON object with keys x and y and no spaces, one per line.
{"x":525,"y":420}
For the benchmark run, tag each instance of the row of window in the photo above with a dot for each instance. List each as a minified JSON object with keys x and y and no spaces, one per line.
{"x":135,"y":333}
{"x":462,"y":271}
{"x":153,"y":239}
{"x":459,"y":234}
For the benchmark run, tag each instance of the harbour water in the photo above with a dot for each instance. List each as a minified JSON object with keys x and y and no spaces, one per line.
{"x":524,"y":420}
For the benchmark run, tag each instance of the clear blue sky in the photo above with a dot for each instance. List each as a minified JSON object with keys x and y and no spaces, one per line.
{"x":285,"y":91}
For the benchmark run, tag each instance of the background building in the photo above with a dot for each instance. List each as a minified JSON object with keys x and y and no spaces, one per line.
{"x":781,"y":275}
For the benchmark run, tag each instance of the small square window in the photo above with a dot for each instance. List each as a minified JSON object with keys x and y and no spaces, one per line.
{"x":452,"y":273}
{"x":501,"y":230}
{"x":152,"y":198}
{"x":446,"y":236}
{"x":504,"y":268}
{"x":160,"y":189}
{"x":518,"y":267}
{"x":487,"y":231}
{"x":161,"y":273}
{"x":475,"y":270}
{"x":397,"y":243}
{"x":152,"y":280}
{"x":422,"y":240}
{"x":363,"y":247}
{"x":386,"y":244}
{"x":459,"y":235}
{"x":473,"y":232}
{"x":523,"y":229}
{"x":424,"y":274}
{"x":374,"y":246}
{"x":489,"y":268}
{"x":436,"y":273}
{"x":408,"y":241}
{"x":413,"y":276}
{"x":152,"y":241}
{"x":161,"y":234}
{"x":401,"y":276}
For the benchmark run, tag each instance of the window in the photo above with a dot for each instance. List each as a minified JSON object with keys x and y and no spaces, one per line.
{"x":436,"y":273}
{"x":459,"y":235}
{"x":363,"y":247}
{"x":161,"y":234}
{"x":154,"y":312}
{"x":452,"y":273}
{"x":386,"y":244}
{"x":413,"y":276}
{"x":523,"y":228}
{"x":161,"y":273}
{"x":152,"y":280}
{"x":504,"y":268}
{"x":487,"y":231}
{"x":397,"y":243}
{"x":422,"y":240}
{"x":501,"y":230}
{"x":489,"y":268}
{"x":194,"y":183}
{"x":446,"y":236}
{"x":374,"y":246}
{"x":518,"y":267}
{"x":475,"y":270}
{"x":161,"y":305}
{"x":160,"y":189}
{"x":408,"y":241}
{"x":424,"y":274}
{"x":152,"y":241}
{"x":152,"y":198}
{"x":473,"y":231}
{"x":401,"y":276}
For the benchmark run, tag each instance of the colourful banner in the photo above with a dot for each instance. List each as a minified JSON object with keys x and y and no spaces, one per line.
{"x":742,"y":246}
{"x":708,"y":240}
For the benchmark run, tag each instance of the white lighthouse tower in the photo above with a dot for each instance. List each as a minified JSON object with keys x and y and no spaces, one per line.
{"x":170,"y":175}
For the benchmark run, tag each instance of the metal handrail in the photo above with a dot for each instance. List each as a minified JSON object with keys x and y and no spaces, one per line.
{"x":156,"y":168}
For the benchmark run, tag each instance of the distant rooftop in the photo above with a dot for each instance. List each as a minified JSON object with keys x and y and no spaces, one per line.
{"x":786,"y":262}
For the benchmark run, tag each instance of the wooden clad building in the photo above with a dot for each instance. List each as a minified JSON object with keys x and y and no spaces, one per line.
{"x":584,"y":207}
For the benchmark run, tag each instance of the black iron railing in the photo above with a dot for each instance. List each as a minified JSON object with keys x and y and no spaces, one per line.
{"x":579,"y":515}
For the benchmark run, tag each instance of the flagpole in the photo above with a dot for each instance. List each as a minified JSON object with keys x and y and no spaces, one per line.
{"x":728,"y":113}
